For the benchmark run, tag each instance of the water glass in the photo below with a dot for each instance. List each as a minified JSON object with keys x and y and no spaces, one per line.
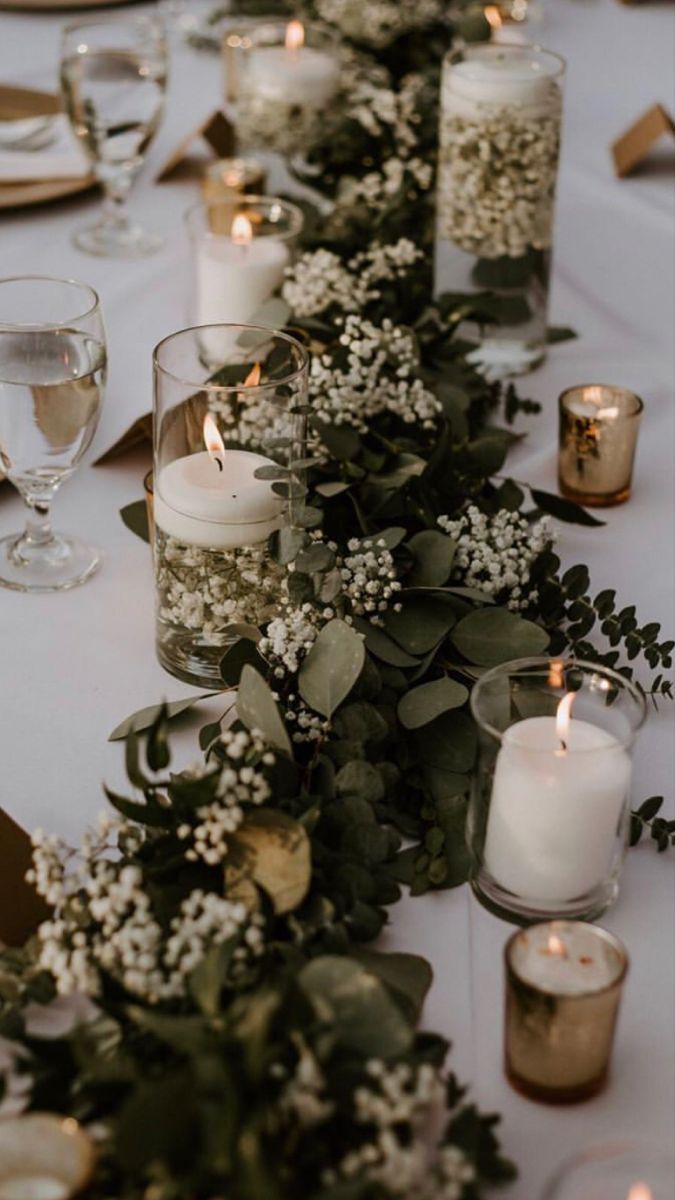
{"x":113,"y":80}
{"x":52,"y":377}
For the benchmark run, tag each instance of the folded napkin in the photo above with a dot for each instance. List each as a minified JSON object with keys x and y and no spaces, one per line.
{"x":61,"y":159}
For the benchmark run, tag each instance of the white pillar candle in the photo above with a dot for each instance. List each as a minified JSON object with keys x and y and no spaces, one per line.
{"x":234,"y":279}
{"x":294,"y":73}
{"x":201,"y":505}
{"x":555,"y":809}
{"x":566,"y":958}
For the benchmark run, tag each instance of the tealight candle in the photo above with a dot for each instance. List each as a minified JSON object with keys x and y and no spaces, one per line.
{"x":213,"y":499}
{"x":563,"y":988}
{"x":599,"y":428}
{"x":559,"y":789}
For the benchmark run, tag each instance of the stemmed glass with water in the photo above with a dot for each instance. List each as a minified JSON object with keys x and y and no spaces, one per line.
{"x":52,"y":376}
{"x":113,"y":80}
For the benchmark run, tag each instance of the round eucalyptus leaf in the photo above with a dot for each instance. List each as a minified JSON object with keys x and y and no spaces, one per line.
{"x":332,"y":667}
{"x":424,"y":703}
{"x":494,"y":635}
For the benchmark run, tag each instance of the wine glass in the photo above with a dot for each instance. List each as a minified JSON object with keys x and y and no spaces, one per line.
{"x":113,"y":79}
{"x":52,"y":376}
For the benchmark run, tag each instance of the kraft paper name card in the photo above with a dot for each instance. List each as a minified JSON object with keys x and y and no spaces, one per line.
{"x":218,"y":134}
{"x":21,"y":909}
{"x":634,"y":146}
{"x":136,"y":435}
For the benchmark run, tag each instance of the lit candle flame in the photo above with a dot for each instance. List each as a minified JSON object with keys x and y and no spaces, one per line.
{"x":213,"y":441}
{"x":295,"y":35}
{"x":242,"y":230}
{"x":640,"y":1191}
{"x":253,"y":377}
{"x":556,"y":947}
{"x":493,"y":16}
{"x":562,"y":719}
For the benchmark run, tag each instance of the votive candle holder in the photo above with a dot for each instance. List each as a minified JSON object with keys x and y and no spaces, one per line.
{"x":563,"y":988}
{"x":599,"y":426}
{"x":627,"y":1170}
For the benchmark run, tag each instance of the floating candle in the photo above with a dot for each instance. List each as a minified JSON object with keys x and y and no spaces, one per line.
{"x":293,"y":73}
{"x":213,"y":499}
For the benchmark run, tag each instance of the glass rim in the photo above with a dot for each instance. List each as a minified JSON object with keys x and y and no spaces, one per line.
{"x":130,"y":20}
{"x":622,"y":743}
{"x":207,"y":385}
{"x":324,"y":32}
{"x":605,"y":1152}
{"x":559,"y":925}
{"x":243,"y":201}
{"x":30,"y":325}
{"x":611,"y":387}
{"x":495,"y":49}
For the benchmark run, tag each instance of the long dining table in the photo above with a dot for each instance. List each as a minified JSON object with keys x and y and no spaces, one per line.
{"x":72,"y":665}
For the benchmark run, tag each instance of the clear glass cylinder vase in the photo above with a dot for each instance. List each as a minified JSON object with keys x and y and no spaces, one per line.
{"x":283,"y":76}
{"x":549,"y":812}
{"x":229,"y":441}
{"x":501,"y":108}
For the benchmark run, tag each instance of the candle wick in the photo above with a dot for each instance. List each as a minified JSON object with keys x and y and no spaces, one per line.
{"x":219,"y":464}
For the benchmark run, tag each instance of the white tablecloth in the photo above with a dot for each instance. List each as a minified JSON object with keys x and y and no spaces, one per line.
{"x":74,"y":664}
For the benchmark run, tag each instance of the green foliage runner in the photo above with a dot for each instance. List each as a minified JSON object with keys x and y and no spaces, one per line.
{"x":206,"y":999}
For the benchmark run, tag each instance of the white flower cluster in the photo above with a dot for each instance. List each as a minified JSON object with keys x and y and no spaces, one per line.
{"x":392,"y":118}
{"x":306,"y":726}
{"x":304,"y":1095}
{"x":239,"y":784}
{"x":368,"y":578}
{"x":377,"y":22}
{"x":290,"y":637}
{"x":380,"y":376}
{"x":495,"y":554}
{"x":104,"y":924}
{"x":496,"y":183}
{"x":403,"y":1097}
{"x":202,"y":591}
{"x":320,"y":279}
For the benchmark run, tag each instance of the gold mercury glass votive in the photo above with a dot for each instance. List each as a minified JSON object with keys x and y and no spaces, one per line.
{"x":228,"y":176}
{"x":563,"y":988}
{"x":599,"y":427}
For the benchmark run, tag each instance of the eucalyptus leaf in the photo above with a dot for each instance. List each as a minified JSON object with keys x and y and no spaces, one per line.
{"x":382,"y":646}
{"x":495,"y":635}
{"x":332,"y":667}
{"x":408,"y":976}
{"x":277,"y":857}
{"x":364,"y":1016}
{"x":423,"y":704}
{"x":564,"y":510}
{"x":258,"y":709}
{"x":144,"y":718}
{"x":421,"y":624}
{"x":433,"y":552}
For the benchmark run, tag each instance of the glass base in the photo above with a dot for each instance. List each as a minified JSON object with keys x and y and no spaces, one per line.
{"x":53,"y":566}
{"x":501,"y":358}
{"x":519,"y":911}
{"x":108,"y":240}
{"x":553,"y":1095}
{"x":198,"y":665}
{"x":594,"y":499}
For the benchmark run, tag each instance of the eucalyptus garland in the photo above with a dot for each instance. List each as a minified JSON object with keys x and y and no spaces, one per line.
{"x":204,"y":997}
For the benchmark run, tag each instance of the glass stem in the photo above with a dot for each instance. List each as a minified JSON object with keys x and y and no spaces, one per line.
{"x":116,"y":186}
{"x":38,"y":530}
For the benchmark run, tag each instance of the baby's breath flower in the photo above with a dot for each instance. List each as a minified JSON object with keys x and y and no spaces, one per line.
{"x":379,"y":375}
{"x":495,"y":554}
{"x":368,"y":578}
